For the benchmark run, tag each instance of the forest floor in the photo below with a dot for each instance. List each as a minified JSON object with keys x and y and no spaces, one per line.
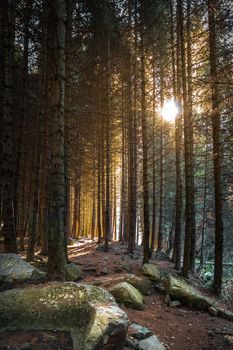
{"x":177,"y":328}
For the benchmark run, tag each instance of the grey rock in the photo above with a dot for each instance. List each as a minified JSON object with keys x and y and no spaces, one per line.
{"x":72,"y":272}
{"x":213,"y":311}
{"x":167,"y":299}
{"x":175,"y":303}
{"x":89,"y":313}
{"x":151,"y":343}
{"x":13,"y":268}
{"x":104,"y":271}
{"x":139,"y":332}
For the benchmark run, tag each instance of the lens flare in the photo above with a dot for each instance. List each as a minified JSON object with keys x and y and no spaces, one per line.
{"x":169,"y":111}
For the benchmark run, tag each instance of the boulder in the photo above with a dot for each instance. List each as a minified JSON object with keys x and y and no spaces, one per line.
{"x":128,"y":295}
{"x":89,"y":313}
{"x":13,"y":268}
{"x":151,"y":343}
{"x":139,"y":332}
{"x":180,"y":290}
{"x":152,"y":272}
{"x":143,"y":284}
{"x":72,"y":272}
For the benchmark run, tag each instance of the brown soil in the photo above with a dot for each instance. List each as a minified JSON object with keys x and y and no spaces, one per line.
{"x":178,"y":328}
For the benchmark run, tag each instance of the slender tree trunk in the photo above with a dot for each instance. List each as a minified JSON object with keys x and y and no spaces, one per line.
{"x":75,"y":207}
{"x":93,"y":204}
{"x":108,"y":158}
{"x":123,"y":172}
{"x":35,"y":197}
{"x":99,"y":194}
{"x":56,"y":51}
{"x":161,"y":199}
{"x":146,"y":233}
{"x":131,"y":169}
{"x":189,"y":243}
{"x":154,"y":204}
{"x":203,"y":228}
{"x":178,"y":138}
{"x":216,"y":125}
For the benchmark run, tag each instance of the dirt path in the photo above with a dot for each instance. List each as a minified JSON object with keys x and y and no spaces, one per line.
{"x":178,"y":328}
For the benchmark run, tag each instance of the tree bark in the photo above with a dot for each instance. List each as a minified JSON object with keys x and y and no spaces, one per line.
{"x":216,"y":126}
{"x":56,"y":52}
{"x":8,"y":229}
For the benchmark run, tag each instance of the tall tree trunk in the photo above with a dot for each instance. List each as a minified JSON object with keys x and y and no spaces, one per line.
{"x":216,"y":125}
{"x":131,"y":141}
{"x":178,"y":139}
{"x":161,"y":199}
{"x":154,"y":206}
{"x":108,"y":158}
{"x":189,"y":255}
{"x":146,"y":233}
{"x":56,"y":52}
{"x":8,"y":229}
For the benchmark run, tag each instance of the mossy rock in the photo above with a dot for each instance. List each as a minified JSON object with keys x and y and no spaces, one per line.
{"x":13,"y":268}
{"x":128,"y":295}
{"x":89,"y":313}
{"x":143,"y":284}
{"x":152,"y":271}
{"x":179,"y":289}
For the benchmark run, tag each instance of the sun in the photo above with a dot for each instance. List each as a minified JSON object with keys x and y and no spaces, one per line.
{"x":169,"y":110}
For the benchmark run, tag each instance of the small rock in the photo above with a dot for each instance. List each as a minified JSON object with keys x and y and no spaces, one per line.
{"x":139,"y":332}
{"x":72,"y":272}
{"x":125,"y":267}
{"x":104,"y":271}
{"x":213,"y":311}
{"x":175,"y":303}
{"x":151,"y":343}
{"x":167,"y":300}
